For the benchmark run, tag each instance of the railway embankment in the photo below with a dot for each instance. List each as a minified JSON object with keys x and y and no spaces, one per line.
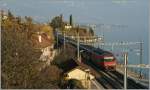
{"x":132,"y":75}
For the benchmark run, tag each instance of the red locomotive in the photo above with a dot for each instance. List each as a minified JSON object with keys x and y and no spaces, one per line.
{"x":100,"y":58}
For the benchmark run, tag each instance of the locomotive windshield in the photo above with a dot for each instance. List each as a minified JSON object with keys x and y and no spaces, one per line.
{"x":107,"y":59}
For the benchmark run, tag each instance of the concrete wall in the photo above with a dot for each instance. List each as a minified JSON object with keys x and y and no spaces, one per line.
{"x":78,"y":74}
{"x":82,"y":76}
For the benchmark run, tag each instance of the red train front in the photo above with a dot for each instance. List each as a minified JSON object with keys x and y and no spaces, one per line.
{"x":107,"y":61}
{"x":101,"y":58}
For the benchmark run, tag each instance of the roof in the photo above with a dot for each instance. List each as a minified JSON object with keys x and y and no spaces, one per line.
{"x":98,"y":50}
{"x":70,"y":65}
{"x":45,"y":41}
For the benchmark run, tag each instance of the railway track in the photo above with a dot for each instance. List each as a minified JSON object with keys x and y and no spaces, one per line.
{"x":130,"y":82}
{"x":114,"y":79}
{"x":120,"y":80}
{"x":105,"y":80}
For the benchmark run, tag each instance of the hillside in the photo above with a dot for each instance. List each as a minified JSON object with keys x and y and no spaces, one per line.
{"x":20,"y":65}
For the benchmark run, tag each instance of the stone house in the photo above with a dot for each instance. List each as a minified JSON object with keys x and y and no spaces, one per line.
{"x":45,"y":44}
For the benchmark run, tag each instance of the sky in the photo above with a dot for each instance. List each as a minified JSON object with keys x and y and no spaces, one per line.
{"x":116,"y":11}
{"x":132,"y":13}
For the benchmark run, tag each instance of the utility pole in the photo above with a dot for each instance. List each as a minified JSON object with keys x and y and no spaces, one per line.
{"x":57,"y":40}
{"x":103,"y":41}
{"x":125,"y":69}
{"x":64,"y":41}
{"x":98,"y":43}
{"x":57,"y":37}
{"x":112,"y":47}
{"x":58,"y":49}
{"x":87,"y":79}
{"x":78,"y":38}
{"x":1,"y":18}
{"x":141,"y":56}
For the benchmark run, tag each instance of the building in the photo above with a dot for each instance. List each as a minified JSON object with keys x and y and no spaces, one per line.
{"x":45,"y":44}
{"x":3,"y":14}
{"x":73,"y":71}
{"x":68,"y":27}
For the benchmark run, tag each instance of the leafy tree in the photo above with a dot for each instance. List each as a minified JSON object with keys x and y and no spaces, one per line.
{"x":63,"y":56}
{"x":71,"y":21}
{"x":10,"y":15}
{"x":29,"y":26}
{"x":29,"y":20}
{"x":48,"y":30}
{"x":19,"y":61}
{"x":18,"y":20}
{"x":91,"y":31}
{"x":57,"y":22}
{"x":48,"y":78}
{"x":17,"y":70}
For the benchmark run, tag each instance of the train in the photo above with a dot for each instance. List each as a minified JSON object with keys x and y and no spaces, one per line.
{"x":100,"y":58}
